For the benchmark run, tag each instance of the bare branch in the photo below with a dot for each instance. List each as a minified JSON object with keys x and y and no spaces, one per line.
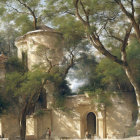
{"x":69,"y":12}
{"x":100,"y":47}
{"x":126,"y":38}
{"x":70,"y":64}
{"x":131,"y":2}
{"x":49,"y":62}
{"x":132,"y":5}
{"x":117,"y":38}
{"x":112,"y":18}
{"x":123,"y":8}
{"x":31,"y":11}
{"x":20,"y":12}
{"x":85,"y":12}
{"x":130,"y":16}
{"x":103,"y":27}
{"x":124,"y":45}
{"x":95,"y":40}
{"x":78,"y":14}
{"x":113,"y":36}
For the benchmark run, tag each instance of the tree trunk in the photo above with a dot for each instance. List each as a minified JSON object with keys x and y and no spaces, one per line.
{"x":25,"y":112}
{"x":23,"y":124}
{"x":137,"y":91}
{"x":35,"y":22}
{"x":132,"y":80}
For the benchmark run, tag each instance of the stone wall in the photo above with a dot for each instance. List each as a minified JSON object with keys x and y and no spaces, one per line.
{"x":50,"y":42}
{"x":10,"y":126}
{"x":114,"y":122}
{"x":30,"y":126}
{"x":119,"y":117}
{"x":111,"y":122}
{"x":43,"y":122}
{"x":66,"y":124}
{"x":71,"y":122}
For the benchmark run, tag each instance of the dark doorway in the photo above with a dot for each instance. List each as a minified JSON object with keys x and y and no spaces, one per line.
{"x":25,"y":60}
{"x":91,"y":123}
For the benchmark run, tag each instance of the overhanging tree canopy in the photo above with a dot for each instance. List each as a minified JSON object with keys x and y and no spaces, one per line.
{"x":101,"y":21}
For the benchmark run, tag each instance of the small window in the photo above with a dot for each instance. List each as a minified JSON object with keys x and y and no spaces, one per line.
{"x":25,"y":60}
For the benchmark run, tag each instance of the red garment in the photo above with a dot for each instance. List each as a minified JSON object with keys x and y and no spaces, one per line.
{"x":49,"y":132}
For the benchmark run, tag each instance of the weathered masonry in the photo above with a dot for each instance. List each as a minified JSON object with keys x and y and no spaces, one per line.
{"x":82,"y":114}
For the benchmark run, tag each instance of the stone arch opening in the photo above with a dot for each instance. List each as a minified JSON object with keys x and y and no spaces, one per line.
{"x":91,"y":123}
{"x":25,"y":59}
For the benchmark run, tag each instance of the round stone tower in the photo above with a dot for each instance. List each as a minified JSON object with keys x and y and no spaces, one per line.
{"x":40,"y":46}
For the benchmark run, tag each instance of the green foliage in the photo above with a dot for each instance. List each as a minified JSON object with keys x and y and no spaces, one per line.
{"x":24,"y":23}
{"x":85,"y":66}
{"x":133,"y":49}
{"x":15,"y":13}
{"x":14,"y":81}
{"x":72,"y":29}
{"x":14,"y":64}
{"x":109,"y":69}
{"x":25,"y":84}
{"x":133,"y":57}
{"x":108,"y":75}
{"x":39,"y":113}
{"x":33,"y":83}
{"x":63,"y":88}
{"x":85,"y":70}
{"x":33,"y":4}
{"x":61,"y":91}
{"x":69,"y":28}
{"x":2,"y":10}
{"x":7,"y":38}
{"x":100,"y":97}
{"x":4,"y":104}
{"x":19,"y":83}
{"x":8,"y":17}
{"x":59,"y":101}
{"x":113,"y":76}
{"x":132,"y":131}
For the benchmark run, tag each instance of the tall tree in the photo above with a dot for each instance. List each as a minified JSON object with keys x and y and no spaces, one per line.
{"x":7,"y":38}
{"x":101,"y":21}
{"x":23,"y":89}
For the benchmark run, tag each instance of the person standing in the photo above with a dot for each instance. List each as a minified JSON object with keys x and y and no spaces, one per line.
{"x":86,"y":134}
{"x":48,"y":133}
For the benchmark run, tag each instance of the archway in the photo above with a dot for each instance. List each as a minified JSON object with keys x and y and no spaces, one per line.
{"x":91,"y":123}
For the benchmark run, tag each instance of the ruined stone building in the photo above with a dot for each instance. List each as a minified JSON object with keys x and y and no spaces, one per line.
{"x":107,"y":122}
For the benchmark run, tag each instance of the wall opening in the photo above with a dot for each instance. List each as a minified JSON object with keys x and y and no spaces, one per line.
{"x":91,"y":123}
{"x":25,"y":60}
